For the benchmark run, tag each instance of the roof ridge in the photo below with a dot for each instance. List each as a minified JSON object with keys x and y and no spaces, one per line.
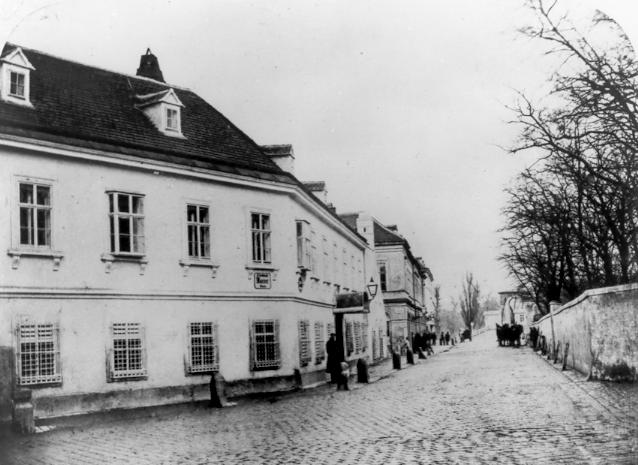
{"x":134,"y":76}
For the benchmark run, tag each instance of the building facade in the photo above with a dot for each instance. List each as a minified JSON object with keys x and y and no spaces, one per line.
{"x":150,"y":243}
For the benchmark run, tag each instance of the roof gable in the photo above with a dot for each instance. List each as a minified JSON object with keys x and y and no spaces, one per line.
{"x":16,"y":57}
{"x":168,"y":96}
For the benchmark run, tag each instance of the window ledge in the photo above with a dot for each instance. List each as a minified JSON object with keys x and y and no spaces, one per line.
{"x":17,"y":254}
{"x":110,"y":258}
{"x":124,"y":378}
{"x":21,"y":101}
{"x":186,"y":263}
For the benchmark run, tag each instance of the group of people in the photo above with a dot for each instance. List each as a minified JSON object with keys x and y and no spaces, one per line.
{"x":444,"y":339}
{"x":337,"y":367}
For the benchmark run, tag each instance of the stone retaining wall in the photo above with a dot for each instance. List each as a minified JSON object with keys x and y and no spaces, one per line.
{"x":601,"y":327}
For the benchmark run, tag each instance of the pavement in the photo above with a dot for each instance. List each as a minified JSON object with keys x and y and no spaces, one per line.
{"x":473,"y":403}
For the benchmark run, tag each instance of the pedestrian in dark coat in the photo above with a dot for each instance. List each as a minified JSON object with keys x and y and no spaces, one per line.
{"x":447,"y":338}
{"x":333,"y":364}
{"x":416,"y":343}
{"x":442,"y":339}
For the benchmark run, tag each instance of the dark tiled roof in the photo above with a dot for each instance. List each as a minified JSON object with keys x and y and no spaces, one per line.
{"x":315,"y":186}
{"x":350,"y":219}
{"x":383,"y":236}
{"x":82,"y":105}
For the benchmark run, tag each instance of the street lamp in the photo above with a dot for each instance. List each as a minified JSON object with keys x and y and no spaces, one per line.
{"x":372,"y":288}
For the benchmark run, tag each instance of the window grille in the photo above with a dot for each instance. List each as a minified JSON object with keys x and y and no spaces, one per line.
{"x":128,"y":354}
{"x":35,"y":215}
{"x":260,"y":233}
{"x":349,"y":338}
{"x":305,"y":355}
{"x":357,"y":337}
{"x":16,"y":85}
{"x":38,"y":354}
{"x":198,"y":226}
{"x":265,"y":351}
{"x":126,"y":223}
{"x":203,"y":348}
{"x":320,"y":343}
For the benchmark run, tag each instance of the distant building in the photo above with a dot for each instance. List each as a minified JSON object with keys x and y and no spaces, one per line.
{"x":402,"y":276}
{"x":517,"y":307}
{"x":149,"y":243}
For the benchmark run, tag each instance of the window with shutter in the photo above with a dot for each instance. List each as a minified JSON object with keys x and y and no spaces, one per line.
{"x":349,"y":338}
{"x":320,"y":343}
{"x":305,"y":355}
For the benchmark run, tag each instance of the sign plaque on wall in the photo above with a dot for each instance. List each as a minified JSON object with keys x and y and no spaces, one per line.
{"x":262,"y":280}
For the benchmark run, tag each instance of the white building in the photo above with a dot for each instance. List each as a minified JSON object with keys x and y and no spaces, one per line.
{"x":149,"y":243}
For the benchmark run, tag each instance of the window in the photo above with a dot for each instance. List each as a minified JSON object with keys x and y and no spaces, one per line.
{"x":357,"y":337}
{"x":320,"y":344}
{"x":326,"y":260}
{"x":265,"y":345}
{"x":260,"y":232}
{"x":305,"y":355}
{"x":16,"y":84}
{"x":304,"y":252}
{"x":383,"y":275}
{"x":198,"y":225}
{"x":127,"y":353}
{"x":172,"y":119}
{"x":38,"y":354}
{"x":35,"y":215}
{"x":126,"y":220}
{"x":203,"y":349}
{"x":335,"y":264}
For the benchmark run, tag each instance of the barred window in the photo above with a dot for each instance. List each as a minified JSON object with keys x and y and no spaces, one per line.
{"x":349,"y":338}
{"x":265,"y":353}
{"x":126,"y":223}
{"x":38,"y":354}
{"x":198,"y":226}
{"x":320,"y":343}
{"x":357,"y":337}
{"x":128,"y":355}
{"x":35,"y":214}
{"x":260,"y":233}
{"x":203,"y":348}
{"x":305,"y":354}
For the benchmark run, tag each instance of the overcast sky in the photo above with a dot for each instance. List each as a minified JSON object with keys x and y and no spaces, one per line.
{"x":398,"y":105}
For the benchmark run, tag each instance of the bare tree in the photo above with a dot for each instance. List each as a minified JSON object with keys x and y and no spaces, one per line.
{"x":436,"y":306}
{"x":572,"y":220}
{"x":471,"y":311}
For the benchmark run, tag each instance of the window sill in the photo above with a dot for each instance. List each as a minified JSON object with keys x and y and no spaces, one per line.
{"x":110,"y":258}
{"x":22,"y":101}
{"x":131,"y":377}
{"x":17,"y":254}
{"x":186,"y":264}
{"x":40,"y":384}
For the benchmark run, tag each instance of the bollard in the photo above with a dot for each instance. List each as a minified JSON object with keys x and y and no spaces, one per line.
{"x":217,"y":388}
{"x":362,"y":371}
{"x":396,"y":360}
{"x":22,"y":411}
{"x":409,"y":355}
{"x":565,"y":356}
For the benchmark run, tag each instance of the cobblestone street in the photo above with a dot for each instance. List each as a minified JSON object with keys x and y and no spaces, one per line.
{"x":476,"y":403}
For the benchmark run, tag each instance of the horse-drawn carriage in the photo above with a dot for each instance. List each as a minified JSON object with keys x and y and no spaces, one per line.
{"x":509,"y":335}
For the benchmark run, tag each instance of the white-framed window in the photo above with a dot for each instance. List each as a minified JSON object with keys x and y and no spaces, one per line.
{"x":128,"y":351}
{"x":198,"y":230}
{"x":35,"y":214}
{"x":38,"y":354}
{"x":17,"y":84}
{"x":345,"y":269}
{"x":383,"y":275}
{"x":260,"y":237}
{"x":335,"y":263}
{"x":265,"y":350}
{"x":304,"y":251}
{"x":326,"y":260}
{"x":126,"y":223}
{"x":203,"y":347}
{"x":305,"y":353}
{"x":320,"y":343}
{"x":172,"y":119}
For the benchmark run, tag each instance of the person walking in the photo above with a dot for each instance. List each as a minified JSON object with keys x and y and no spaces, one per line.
{"x":447,"y":338}
{"x":333,"y":364}
{"x":442,"y":339}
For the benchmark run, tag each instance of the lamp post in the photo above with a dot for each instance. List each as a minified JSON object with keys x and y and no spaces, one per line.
{"x":372,"y":288}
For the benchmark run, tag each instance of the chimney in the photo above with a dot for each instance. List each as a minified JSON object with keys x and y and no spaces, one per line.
{"x":282,"y":155}
{"x":149,"y":67}
{"x":318,"y":188}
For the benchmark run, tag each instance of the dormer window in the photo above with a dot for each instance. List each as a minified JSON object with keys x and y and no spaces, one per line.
{"x":172,"y":119}
{"x":16,"y":84}
{"x":164,"y":110}
{"x":15,"y":71}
